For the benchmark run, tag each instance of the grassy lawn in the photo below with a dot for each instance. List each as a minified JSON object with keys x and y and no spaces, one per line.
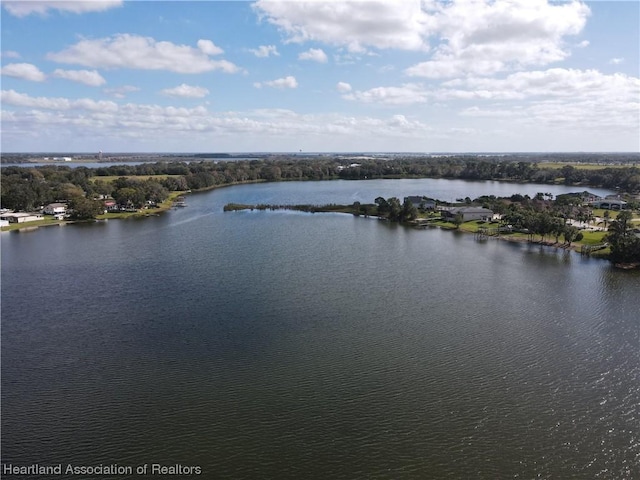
{"x":38,"y":223}
{"x":166,"y":205}
{"x":591,"y":238}
{"x":599,"y":212}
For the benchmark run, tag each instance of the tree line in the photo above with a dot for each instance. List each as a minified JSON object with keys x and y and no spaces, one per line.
{"x":27,"y":188}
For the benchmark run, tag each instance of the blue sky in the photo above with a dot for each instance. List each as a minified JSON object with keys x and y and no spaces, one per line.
{"x":320,"y":76}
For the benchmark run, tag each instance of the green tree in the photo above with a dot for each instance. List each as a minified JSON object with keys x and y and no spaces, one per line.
{"x":395,"y":209}
{"x":383,"y":206}
{"x":458,"y":220}
{"x":129,"y":196}
{"x":409,"y":211}
{"x":67,"y":191}
{"x":571,"y":234}
{"x":84,"y":208}
{"x":625,"y":246}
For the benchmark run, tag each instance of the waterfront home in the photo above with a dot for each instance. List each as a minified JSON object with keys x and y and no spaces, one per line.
{"x":110,"y":206}
{"x":21,"y":217}
{"x":421,"y":202}
{"x":55,"y":209}
{"x":609,"y":204}
{"x":468,"y":213}
{"x":588,"y":197}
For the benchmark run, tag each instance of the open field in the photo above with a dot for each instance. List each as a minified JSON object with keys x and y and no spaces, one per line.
{"x":112,"y":178}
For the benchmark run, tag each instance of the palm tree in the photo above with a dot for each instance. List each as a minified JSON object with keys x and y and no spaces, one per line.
{"x":606,"y":218}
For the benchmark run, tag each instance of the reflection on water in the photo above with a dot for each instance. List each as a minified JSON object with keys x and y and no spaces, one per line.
{"x":276,"y":345}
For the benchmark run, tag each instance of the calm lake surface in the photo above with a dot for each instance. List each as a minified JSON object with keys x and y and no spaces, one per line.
{"x":285,"y":345}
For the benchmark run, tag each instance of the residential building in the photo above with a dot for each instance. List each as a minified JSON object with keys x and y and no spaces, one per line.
{"x":110,"y":206}
{"x":421,"y":202}
{"x":609,"y":204}
{"x":55,"y":209}
{"x":468,"y":213}
{"x":21,"y":217}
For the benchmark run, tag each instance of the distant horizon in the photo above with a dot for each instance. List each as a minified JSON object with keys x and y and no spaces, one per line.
{"x":328,"y":152}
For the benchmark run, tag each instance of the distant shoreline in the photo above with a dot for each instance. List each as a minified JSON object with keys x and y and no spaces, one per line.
{"x":166,"y":205}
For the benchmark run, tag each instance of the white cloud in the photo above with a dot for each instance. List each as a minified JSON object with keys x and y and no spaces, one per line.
{"x":22,"y":8}
{"x":406,"y":94}
{"x":121,"y":92}
{"x":563,"y":99}
{"x":551,"y":83}
{"x":10,"y":54}
{"x":483,"y":37}
{"x":314,"y":54}
{"x":185,"y":90}
{"x":343,"y":87}
{"x":286,"y":82}
{"x":87,"y":118}
{"x":354,"y":24}
{"x":583,"y":98}
{"x":208,"y":47}
{"x":88,"y":77}
{"x":143,"y":53}
{"x":616,"y":61}
{"x":11,"y":97}
{"x":25,"y":71}
{"x":264,"y":51}
{"x":63,"y":121}
{"x":477,"y":37}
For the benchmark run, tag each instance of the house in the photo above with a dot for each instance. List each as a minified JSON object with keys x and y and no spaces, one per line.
{"x":609,"y":204}
{"x":20,"y":217}
{"x":468,"y":213}
{"x":110,"y":206}
{"x":55,"y":209}
{"x":421,"y":202}
{"x":588,"y":197}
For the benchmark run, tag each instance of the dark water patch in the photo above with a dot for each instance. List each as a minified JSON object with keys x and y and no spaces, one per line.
{"x":315,"y":346}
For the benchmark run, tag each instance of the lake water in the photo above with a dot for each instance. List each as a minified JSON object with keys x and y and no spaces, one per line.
{"x":285,"y":345}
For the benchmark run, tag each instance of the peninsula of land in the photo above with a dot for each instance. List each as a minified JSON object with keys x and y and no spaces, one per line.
{"x":55,"y":193}
{"x":611,"y":233}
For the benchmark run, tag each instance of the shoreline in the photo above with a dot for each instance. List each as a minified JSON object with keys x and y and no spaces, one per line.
{"x":347,"y":209}
{"x":165,"y":206}
{"x":169,"y":203}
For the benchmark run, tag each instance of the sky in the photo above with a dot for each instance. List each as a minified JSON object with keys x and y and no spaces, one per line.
{"x":320,"y":76}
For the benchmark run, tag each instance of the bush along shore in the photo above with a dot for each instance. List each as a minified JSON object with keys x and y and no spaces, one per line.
{"x":562,"y":223}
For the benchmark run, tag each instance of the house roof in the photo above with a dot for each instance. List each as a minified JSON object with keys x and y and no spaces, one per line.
{"x":19,"y":215}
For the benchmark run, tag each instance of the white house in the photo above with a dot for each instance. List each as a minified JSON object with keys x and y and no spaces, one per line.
{"x":20,"y":217}
{"x":55,"y":209}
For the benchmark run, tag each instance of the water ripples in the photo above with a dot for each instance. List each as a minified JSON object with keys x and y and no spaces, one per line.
{"x":323,"y":347}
